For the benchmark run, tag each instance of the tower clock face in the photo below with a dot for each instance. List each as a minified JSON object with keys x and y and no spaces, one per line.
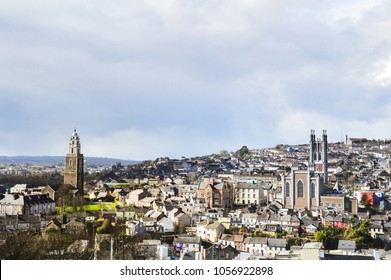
{"x":71,"y":168}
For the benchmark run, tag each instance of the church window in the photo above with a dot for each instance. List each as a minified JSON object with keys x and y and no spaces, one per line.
{"x":300,"y":189}
{"x":312,"y":190}
{"x":287,"y":190}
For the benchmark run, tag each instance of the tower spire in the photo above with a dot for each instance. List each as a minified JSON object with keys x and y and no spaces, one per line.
{"x":74,"y":144}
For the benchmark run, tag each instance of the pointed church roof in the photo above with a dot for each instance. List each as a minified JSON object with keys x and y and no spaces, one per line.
{"x":336,"y":186}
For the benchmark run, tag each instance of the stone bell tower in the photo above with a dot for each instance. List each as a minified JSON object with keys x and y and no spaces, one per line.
{"x":74,"y":164}
{"x":318,"y":154}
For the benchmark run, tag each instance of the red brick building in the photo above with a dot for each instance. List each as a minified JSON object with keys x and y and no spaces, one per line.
{"x":216,"y":194}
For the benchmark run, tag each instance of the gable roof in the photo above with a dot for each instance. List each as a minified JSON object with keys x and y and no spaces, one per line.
{"x":346,"y":245}
{"x":187,"y":239}
{"x":277,"y":242}
{"x":255,"y":240}
{"x":215,"y":225}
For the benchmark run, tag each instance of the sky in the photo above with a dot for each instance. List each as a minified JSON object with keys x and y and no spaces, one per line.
{"x":172,"y":78}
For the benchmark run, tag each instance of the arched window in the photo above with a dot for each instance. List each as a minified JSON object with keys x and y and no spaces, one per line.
{"x":312,"y":190}
{"x":216,"y":198}
{"x":287,"y":189}
{"x":300,"y":189}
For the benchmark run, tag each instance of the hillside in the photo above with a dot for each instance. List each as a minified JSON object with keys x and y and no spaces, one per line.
{"x":57,"y":160}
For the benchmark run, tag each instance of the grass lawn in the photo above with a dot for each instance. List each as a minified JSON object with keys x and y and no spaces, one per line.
{"x":91,"y":207}
{"x":98,"y":207}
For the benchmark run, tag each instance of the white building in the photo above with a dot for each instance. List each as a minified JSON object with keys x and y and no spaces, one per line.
{"x":246,"y":194}
{"x":19,"y":204}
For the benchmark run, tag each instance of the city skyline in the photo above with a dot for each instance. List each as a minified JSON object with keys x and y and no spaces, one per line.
{"x":166,"y":78}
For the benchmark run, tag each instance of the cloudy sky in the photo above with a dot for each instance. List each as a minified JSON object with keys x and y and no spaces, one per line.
{"x":144,"y":79}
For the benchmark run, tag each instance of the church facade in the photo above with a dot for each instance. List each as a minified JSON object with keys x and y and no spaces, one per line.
{"x":303,"y":188}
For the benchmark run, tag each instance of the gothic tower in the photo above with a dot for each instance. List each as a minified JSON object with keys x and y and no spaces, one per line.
{"x":74,"y":164}
{"x":318,"y":154}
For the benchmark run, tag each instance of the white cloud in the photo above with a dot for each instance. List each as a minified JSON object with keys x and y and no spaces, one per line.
{"x":148,"y":78}
{"x":383,"y":76}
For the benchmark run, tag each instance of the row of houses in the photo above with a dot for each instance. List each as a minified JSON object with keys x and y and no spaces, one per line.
{"x":23,"y":204}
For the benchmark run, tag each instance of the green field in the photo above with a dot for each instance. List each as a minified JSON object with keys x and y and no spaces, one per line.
{"x":90,"y":207}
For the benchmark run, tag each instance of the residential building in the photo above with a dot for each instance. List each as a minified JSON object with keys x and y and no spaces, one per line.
{"x":20,"y":204}
{"x":246,"y":194}
{"x":135,"y":196}
{"x":187,"y":243}
{"x":216,"y":194}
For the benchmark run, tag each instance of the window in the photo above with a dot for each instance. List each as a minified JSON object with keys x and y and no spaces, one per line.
{"x":287,"y":189}
{"x":300,"y":189}
{"x":312,"y":190}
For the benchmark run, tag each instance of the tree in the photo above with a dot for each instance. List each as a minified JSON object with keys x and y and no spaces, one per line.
{"x":242,"y":152}
{"x":64,"y":246}
{"x":224,"y":153}
{"x":329,"y":236}
{"x":360,"y":234}
{"x":20,"y":245}
{"x":105,"y":228}
{"x":67,"y":198}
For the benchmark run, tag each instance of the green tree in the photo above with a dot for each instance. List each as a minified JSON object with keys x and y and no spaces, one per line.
{"x":105,"y":228}
{"x":242,"y":152}
{"x":329,"y":236}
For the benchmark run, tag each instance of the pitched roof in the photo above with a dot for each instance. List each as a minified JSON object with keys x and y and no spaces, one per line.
{"x":215,"y":225}
{"x":346,"y":245}
{"x":276,"y":242}
{"x":255,"y":240}
{"x":187,"y":239}
{"x":312,"y":245}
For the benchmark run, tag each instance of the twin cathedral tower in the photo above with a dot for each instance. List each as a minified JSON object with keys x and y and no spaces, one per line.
{"x":303,"y":187}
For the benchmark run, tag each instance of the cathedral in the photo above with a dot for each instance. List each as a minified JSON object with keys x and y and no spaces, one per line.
{"x":302,"y":188}
{"x":74,"y":164}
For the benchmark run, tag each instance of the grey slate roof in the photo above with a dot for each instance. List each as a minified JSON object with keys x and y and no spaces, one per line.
{"x":347,"y":245}
{"x":277,"y":242}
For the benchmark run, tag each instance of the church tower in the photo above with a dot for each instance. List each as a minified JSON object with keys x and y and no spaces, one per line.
{"x":302,"y":188}
{"x":74,"y":164}
{"x":318,"y":154}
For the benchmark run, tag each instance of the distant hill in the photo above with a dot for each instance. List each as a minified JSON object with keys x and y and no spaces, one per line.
{"x":57,"y":160}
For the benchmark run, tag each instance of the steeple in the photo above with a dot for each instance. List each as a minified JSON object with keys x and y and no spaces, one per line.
{"x":318,"y":154}
{"x":74,"y":144}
